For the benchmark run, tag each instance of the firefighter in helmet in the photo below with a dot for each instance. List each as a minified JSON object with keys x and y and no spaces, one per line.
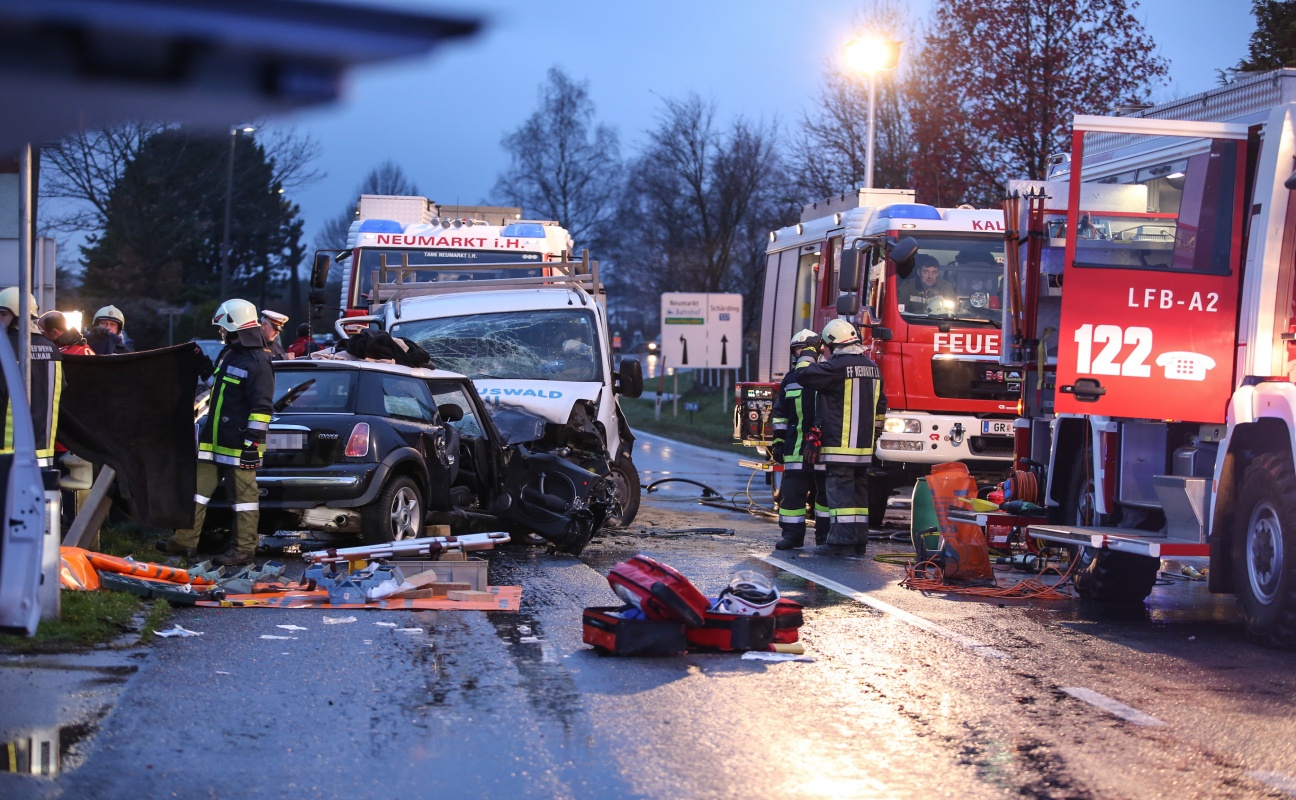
{"x":849,"y":386}
{"x":794,"y":418}
{"x":46,"y":378}
{"x":233,"y":436}
{"x":108,"y":336}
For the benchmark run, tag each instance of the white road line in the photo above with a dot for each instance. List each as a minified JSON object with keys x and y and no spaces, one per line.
{"x":900,"y":614}
{"x":1113,"y":707}
{"x":1279,"y":781}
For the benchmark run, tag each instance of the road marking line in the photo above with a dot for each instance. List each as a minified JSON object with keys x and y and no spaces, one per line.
{"x":1113,"y":707}
{"x":886,"y":608}
{"x":1277,"y":780}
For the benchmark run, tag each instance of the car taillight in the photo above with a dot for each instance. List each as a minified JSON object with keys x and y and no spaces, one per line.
{"x":358,"y":444}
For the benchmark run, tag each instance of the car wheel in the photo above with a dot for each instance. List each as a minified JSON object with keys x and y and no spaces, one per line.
{"x":1264,"y":560}
{"x":625,"y":486}
{"x":397,"y":513}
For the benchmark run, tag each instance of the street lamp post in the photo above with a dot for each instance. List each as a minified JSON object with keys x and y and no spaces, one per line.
{"x":229,"y":202}
{"x":870,"y":55}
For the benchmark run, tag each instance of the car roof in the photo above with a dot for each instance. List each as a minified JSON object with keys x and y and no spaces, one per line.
{"x":367,"y":366}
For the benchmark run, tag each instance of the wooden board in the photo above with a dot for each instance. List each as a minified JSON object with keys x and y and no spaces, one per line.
{"x":502,"y":598}
{"x":422,"y":579}
{"x":467,"y":596}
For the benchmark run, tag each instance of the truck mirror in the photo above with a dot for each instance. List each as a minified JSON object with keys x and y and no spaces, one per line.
{"x":848,"y":276}
{"x":880,"y":332}
{"x":848,"y":304}
{"x":902,"y":253}
{"x":318,"y":297}
{"x":320,"y":269}
{"x":450,"y":412}
{"x":630,"y":378}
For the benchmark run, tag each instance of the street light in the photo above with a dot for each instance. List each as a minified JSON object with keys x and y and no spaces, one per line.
{"x":870,"y":55}
{"x":229,"y":199}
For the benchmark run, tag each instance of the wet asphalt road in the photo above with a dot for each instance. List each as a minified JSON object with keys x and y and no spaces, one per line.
{"x":909,"y":696}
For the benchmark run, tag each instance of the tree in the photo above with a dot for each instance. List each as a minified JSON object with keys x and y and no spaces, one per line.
{"x":163,"y":225}
{"x":386,"y":178}
{"x":561,"y":165}
{"x":705,"y":198}
{"x":1001,"y":80}
{"x":1273,"y":42}
{"x":829,"y":152}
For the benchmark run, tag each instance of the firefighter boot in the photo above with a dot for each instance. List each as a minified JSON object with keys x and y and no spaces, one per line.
{"x":790,"y":541}
{"x":233,"y":557}
{"x":170,"y":547}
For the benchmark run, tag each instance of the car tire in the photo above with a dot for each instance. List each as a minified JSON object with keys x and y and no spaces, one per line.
{"x":1110,"y":576}
{"x":396,"y":514}
{"x":626,"y":487}
{"x":1264,"y":555}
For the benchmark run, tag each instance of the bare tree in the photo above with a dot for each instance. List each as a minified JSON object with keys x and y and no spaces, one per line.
{"x":80,"y":172}
{"x":386,"y":178}
{"x":562,"y":165}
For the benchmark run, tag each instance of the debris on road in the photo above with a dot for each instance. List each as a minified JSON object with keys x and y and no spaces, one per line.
{"x":767,"y":655}
{"x":177,"y":630}
{"x":338,"y":620}
{"x":279,"y":638}
{"x":291,"y":627}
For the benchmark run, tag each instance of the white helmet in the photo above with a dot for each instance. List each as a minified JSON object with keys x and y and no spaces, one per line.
{"x":113,"y":313}
{"x":748,"y":593}
{"x":839,"y":331}
{"x":805,"y":338}
{"x":9,"y":301}
{"x":235,"y":315}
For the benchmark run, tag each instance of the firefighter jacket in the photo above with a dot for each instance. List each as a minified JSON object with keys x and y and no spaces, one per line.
{"x":794,"y":414}
{"x":46,"y":392}
{"x":242,"y":395}
{"x":849,"y":388}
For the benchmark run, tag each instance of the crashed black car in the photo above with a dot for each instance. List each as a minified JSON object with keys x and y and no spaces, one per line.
{"x":381,"y":450}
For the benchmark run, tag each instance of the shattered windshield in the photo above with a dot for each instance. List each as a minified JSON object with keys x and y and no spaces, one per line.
{"x":954,"y":278}
{"x":547,"y":345}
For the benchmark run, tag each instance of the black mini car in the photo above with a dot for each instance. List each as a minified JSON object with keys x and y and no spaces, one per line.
{"x":380,"y":450}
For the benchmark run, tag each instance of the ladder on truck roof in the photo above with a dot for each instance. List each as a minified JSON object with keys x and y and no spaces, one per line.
{"x":393,"y":283}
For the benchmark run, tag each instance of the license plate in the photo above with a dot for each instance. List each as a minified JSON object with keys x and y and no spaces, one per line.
{"x":996,"y":427}
{"x":286,"y":441}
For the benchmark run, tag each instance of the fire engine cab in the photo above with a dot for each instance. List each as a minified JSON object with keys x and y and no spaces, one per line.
{"x":934,"y":331}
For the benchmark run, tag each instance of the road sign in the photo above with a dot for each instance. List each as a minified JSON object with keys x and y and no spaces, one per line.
{"x":701,"y":330}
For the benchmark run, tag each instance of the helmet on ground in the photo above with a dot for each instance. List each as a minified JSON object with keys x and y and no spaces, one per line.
{"x":235,"y":315}
{"x":749,"y":593}
{"x":839,"y":331}
{"x":9,"y":301}
{"x":805,"y":338}
{"x":113,"y":313}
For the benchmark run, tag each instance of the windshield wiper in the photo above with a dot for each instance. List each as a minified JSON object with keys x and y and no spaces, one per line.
{"x":292,"y":394}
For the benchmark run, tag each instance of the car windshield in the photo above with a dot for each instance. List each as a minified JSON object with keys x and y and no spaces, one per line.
{"x":954,"y":278}
{"x":317,"y":391}
{"x":550,"y":345}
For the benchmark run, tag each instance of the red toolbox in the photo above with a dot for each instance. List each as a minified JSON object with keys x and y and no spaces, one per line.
{"x":787,"y":621}
{"x":605,"y":628}
{"x":658,"y":590}
{"x":721,"y":631}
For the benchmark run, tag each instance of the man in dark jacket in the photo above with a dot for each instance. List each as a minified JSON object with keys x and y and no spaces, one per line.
{"x":46,"y":380}
{"x":233,"y":437}
{"x":108,"y":335}
{"x":794,"y":416}
{"x":849,"y":386}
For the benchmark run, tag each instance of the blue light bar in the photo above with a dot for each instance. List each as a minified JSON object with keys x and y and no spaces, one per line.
{"x":909,"y":211}
{"x":381,"y":226}
{"x":524,"y":230}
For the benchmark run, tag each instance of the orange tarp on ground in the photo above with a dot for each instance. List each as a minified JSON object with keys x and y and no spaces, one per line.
{"x":508,"y":598}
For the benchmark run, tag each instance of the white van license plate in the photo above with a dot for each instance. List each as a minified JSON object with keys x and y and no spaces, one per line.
{"x":996,"y":427}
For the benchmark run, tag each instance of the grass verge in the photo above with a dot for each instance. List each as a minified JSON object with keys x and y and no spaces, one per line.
{"x":710,"y":426}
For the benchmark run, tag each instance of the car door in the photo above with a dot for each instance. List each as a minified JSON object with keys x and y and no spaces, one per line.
{"x":410,"y":410}
{"x":479,"y":447}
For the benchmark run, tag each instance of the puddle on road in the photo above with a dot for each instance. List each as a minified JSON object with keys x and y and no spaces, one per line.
{"x":50,"y":752}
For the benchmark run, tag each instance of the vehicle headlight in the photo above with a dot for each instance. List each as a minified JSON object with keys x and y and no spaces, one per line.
{"x":901,"y":425}
{"x":979,"y":300}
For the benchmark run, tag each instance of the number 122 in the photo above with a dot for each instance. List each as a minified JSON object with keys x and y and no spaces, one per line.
{"x":1111,"y":337}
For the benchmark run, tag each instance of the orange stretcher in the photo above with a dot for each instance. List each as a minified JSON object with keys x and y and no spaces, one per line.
{"x":507,"y":598}
{"x":142,"y":569}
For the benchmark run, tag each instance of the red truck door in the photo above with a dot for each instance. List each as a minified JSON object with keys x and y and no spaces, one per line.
{"x":1149,"y":302}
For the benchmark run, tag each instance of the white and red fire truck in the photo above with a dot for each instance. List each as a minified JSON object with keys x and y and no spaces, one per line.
{"x":1158,"y":279}
{"x":948,"y":397}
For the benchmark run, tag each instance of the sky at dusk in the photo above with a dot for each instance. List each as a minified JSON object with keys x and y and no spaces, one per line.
{"x":442,"y":117}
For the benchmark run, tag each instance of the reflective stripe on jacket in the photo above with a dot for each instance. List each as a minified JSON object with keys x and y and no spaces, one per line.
{"x":46,"y":394}
{"x":849,"y":387}
{"x":241,"y":404}
{"x":794,"y":414}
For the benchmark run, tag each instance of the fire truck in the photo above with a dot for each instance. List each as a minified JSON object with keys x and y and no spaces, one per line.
{"x":1151,"y":307}
{"x":938,"y":345}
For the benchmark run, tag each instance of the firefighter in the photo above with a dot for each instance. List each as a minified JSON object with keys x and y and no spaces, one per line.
{"x":794,"y":417}
{"x":233,"y":437}
{"x":108,"y":336}
{"x":46,"y":379}
{"x":272,"y":325}
{"x":849,"y":387}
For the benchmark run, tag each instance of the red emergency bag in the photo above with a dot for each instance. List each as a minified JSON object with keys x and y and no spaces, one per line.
{"x":787,"y":621}
{"x":720,"y":631}
{"x":659,"y":591}
{"x":606,"y":629}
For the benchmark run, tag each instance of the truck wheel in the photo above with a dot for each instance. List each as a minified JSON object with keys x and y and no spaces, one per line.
{"x":1264,"y":560}
{"x":625,"y":485}
{"x":1079,"y":508}
{"x":1114,"y":577}
{"x":396,"y":514}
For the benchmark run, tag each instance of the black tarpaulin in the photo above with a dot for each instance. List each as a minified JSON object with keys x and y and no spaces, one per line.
{"x":135,"y":413}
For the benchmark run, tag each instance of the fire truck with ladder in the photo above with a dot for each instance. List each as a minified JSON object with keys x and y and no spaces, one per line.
{"x":1152,"y":307}
{"x":948,"y":397}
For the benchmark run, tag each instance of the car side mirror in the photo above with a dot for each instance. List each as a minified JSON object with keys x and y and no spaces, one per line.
{"x":450,"y":412}
{"x":848,"y":304}
{"x":902,"y":254}
{"x":629,"y":378}
{"x":848,"y":276}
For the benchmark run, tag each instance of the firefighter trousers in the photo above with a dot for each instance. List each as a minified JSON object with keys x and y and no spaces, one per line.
{"x":800,"y":491}
{"x":247,"y":505}
{"x":847,"y":489}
